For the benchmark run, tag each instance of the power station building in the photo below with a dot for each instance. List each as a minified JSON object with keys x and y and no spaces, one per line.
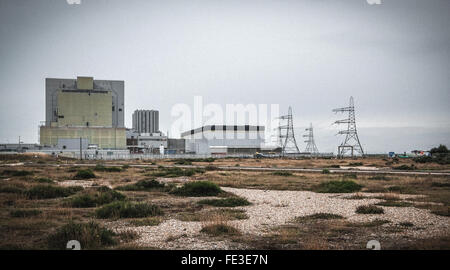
{"x":146,"y":121}
{"x":224,"y":139}
{"x":86,"y":110}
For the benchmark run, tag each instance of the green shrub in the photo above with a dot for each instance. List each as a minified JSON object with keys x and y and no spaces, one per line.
{"x":356,"y":164}
{"x":351,"y":175}
{"x":404,"y":167}
{"x":227,"y":202}
{"x":175,"y":172}
{"x":211,"y":168}
{"x":44,"y":180}
{"x":369,"y":209}
{"x":320,"y":216}
{"x":24,"y":213}
{"x":84,"y":174}
{"x":380,"y":177}
{"x":49,"y":192}
{"x":345,"y":186}
{"x":282,"y":173}
{"x":142,"y":185}
{"x":325,"y":171}
{"x":198,"y":189}
{"x":11,"y":189}
{"x":394,"y":204}
{"x":102,"y":168}
{"x":102,"y":196}
{"x":121,"y":209}
{"x":183,"y":162}
{"x":219,"y":229}
{"x":440,"y":184}
{"x":441,"y":149}
{"x":17,"y":173}
{"x":90,"y":235}
{"x":126,"y":166}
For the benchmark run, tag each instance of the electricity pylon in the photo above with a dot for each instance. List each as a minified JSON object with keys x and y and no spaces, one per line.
{"x":310,"y":143}
{"x":287,"y":140}
{"x":351,"y":141}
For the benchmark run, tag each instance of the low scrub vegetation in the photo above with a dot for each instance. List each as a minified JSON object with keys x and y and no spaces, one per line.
{"x":143,"y":185}
{"x":356,"y":164}
{"x":23,"y":213}
{"x":219,"y":229}
{"x":11,"y":189}
{"x":44,"y":180}
{"x":121,"y":209}
{"x":198,"y":189}
{"x":150,"y":221}
{"x":49,"y":192}
{"x":439,"y":155}
{"x":406,"y":224}
{"x":282,"y":173}
{"x":84,"y":174}
{"x":175,"y":172}
{"x":345,"y":186}
{"x":405,"y":167}
{"x":211,"y":168}
{"x":227,"y":202}
{"x":222,"y":214}
{"x":16,"y":173}
{"x":90,"y":235}
{"x":102,"y":195}
{"x":369,"y":209}
{"x":380,"y":177}
{"x":188,"y":161}
{"x":319,"y":216}
{"x":102,"y":168}
{"x":394,"y":204}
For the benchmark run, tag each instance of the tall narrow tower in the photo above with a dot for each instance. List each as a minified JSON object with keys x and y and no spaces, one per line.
{"x":351,"y":142}
{"x":310,"y":143}
{"x":287,"y":139}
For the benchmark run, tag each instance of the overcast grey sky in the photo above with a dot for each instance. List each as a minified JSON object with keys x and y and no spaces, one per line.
{"x":394,"y":58}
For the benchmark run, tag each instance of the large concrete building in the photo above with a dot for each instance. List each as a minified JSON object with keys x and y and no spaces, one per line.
{"x":224,"y":139}
{"x":92,"y":110}
{"x":146,"y":121}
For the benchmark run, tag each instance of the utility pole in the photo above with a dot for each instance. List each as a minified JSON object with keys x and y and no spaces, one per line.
{"x":310,"y":143}
{"x":289,"y":145}
{"x":351,"y":141}
{"x":81,"y":151}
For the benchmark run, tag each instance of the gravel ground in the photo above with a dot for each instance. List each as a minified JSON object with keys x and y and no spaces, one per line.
{"x":272,"y":208}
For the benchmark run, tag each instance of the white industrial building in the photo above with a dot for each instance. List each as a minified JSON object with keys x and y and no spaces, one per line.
{"x":224,"y":139}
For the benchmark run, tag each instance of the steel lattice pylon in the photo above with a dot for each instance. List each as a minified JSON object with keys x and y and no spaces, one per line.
{"x":287,"y":140}
{"x":351,"y":141}
{"x":310,"y":143}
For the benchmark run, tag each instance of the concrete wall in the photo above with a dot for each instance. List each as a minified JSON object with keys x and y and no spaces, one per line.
{"x":106,"y":138}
